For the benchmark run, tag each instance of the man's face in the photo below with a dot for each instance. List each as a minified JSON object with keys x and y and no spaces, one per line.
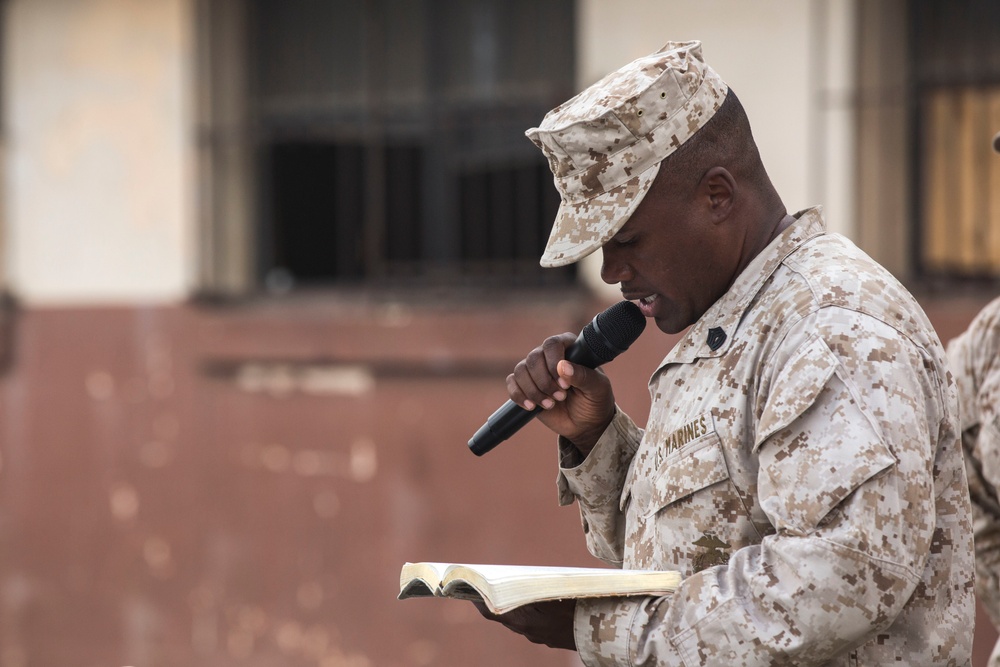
{"x":672,"y":257}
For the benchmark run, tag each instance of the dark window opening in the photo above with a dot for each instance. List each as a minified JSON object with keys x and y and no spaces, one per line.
{"x":403,"y":204}
{"x":317,"y":216}
{"x":501,"y":208}
{"x":391,"y":141}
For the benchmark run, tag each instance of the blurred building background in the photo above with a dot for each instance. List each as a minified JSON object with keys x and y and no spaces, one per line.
{"x":266,"y":264}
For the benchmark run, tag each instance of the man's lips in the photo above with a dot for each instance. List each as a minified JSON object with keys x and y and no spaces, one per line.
{"x":645,"y":301}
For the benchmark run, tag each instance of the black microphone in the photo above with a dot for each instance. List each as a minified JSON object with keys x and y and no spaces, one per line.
{"x":608,"y":335}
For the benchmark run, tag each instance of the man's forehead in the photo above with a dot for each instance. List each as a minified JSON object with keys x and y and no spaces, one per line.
{"x":654,"y":197}
{"x":627,"y":229}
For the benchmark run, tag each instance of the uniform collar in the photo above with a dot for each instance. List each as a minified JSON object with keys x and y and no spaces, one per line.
{"x":713,"y":333}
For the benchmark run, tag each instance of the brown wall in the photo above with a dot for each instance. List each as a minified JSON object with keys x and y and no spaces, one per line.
{"x":240,"y":485}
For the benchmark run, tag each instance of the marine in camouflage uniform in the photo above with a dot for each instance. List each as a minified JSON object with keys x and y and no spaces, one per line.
{"x":974,"y":357}
{"x":801,"y":465}
{"x":800,"y":468}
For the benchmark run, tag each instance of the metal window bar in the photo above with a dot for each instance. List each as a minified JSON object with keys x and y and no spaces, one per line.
{"x":431,"y":180}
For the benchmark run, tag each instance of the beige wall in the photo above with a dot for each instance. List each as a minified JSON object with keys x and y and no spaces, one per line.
{"x":790,"y":61}
{"x":98,"y":202}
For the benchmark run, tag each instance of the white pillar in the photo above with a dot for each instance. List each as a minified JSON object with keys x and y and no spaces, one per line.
{"x":97,"y":180}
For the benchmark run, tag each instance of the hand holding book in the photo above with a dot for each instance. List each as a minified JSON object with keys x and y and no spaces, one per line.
{"x":548,"y":623}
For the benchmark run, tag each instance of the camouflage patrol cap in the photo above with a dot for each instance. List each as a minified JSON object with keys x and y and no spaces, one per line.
{"x":605,"y":145}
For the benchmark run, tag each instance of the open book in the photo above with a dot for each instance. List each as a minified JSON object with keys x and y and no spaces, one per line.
{"x":505,"y":587}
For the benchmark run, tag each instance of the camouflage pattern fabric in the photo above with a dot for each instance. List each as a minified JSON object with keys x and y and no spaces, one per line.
{"x":801,"y":467}
{"x":605,"y":145}
{"x":974,"y":357}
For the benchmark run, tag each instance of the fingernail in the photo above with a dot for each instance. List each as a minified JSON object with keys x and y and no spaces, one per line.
{"x":528,"y":405}
{"x":559,"y":395}
{"x":562,"y":383}
{"x":548,"y":403}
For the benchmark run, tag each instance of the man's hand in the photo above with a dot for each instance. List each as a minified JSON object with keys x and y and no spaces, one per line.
{"x":548,"y":623}
{"x":577,"y":401}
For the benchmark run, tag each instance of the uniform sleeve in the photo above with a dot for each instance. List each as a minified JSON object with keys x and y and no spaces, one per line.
{"x":596,"y":483}
{"x":974,"y":358}
{"x":986,"y":532}
{"x":981,"y":356}
{"x":846,"y":442}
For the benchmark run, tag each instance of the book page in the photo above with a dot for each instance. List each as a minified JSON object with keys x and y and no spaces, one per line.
{"x":504,"y":587}
{"x":421,"y":579}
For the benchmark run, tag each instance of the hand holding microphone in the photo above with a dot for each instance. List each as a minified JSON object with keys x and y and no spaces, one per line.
{"x":537,"y":380}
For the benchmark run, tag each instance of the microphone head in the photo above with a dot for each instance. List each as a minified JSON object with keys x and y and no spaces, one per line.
{"x":614,"y":330}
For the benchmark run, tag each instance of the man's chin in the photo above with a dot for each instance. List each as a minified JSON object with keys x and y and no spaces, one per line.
{"x":669,"y":325}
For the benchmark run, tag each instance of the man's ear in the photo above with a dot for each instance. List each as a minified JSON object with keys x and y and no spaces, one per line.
{"x":719,"y":189}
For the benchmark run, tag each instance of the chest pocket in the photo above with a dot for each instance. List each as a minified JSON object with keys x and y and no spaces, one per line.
{"x":684,"y":472}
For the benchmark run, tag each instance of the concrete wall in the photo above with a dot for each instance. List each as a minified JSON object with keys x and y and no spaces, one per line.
{"x":206,"y":487}
{"x":97,"y":180}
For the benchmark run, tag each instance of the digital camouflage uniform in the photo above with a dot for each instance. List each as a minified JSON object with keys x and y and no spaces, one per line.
{"x":975,"y":363}
{"x":801,"y":468}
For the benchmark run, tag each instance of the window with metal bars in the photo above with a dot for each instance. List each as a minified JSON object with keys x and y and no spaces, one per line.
{"x":956,"y":61}
{"x":389,"y":138}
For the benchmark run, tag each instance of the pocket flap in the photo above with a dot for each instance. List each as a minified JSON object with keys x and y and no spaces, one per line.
{"x":796,"y":388}
{"x":812,"y":463}
{"x":688,"y":470}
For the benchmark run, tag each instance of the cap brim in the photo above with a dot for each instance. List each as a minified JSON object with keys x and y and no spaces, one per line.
{"x":583,"y":227}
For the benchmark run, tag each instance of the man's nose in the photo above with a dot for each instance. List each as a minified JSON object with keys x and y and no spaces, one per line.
{"x":614,"y":269}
